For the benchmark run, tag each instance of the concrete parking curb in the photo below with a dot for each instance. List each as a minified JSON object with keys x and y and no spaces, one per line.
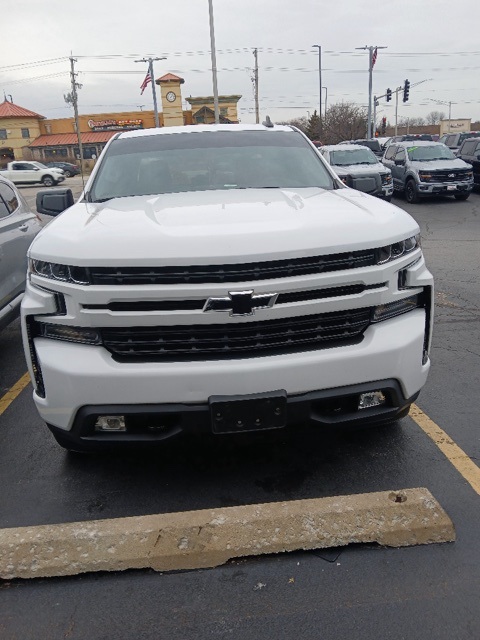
{"x":208,"y":538}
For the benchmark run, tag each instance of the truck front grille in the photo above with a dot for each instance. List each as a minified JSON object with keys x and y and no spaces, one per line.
{"x":236,"y":340}
{"x":449,"y":176}
{"x":197,"y":274}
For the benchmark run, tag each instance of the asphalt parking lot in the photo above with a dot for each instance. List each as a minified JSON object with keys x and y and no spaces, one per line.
{"x":359,"y":591}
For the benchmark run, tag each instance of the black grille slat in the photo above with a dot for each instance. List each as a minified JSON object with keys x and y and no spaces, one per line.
{"x":242,"y":340}
{"x":197,"y":274}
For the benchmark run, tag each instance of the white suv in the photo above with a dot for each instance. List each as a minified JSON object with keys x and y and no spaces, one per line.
{"x":222,"y":278}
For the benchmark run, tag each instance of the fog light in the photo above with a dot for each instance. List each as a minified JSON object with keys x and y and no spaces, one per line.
{"x":371,"y":399}
{"x":110,"y":423}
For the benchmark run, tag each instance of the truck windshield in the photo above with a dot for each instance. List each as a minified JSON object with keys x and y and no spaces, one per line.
{"x":191,"y":161}
{"x":427,"y":153}
{"x":352,"y":156}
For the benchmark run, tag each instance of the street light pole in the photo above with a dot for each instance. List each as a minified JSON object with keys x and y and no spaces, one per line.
{"x":214,"y":64}
{"x":319,"y":87}
{"x":154,"y":93}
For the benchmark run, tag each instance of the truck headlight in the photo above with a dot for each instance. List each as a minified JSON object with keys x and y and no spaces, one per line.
{"x":61,"y":272}
{"x":398,"y":249}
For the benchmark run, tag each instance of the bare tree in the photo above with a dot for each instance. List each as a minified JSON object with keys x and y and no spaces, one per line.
{"x":301,"y":123}
{"x":434,"y":117}
{"x":344,"y":121}
{"x":411,"y":122}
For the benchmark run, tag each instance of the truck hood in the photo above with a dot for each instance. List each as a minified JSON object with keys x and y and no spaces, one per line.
{"x":440,"y":165}
{"x":360,"y":169}
{"x":214,"y":227}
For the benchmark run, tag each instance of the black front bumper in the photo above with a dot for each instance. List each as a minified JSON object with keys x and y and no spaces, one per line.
{"x":150,"y":423}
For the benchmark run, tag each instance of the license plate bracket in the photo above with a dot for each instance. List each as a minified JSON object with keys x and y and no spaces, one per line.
{"x":451,"y":187}
{"x":256,"y":412}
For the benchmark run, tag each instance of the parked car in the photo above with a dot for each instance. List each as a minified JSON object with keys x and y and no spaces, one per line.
{"x":359,"y":168}
{"x":22,"y":172}
{"x":422,"y":169}
{"x":454,"y":140}
{"x":373,"y":144}
{"x":470,"y":152}
{"x":384,"y":141}
{"x":18,"y":227}
{"x":69,"y":169}
{"x":221,"y":279}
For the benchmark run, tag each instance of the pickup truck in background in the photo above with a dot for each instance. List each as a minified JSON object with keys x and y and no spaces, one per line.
{"x":469,"y":152}
{"x":32,"y":173}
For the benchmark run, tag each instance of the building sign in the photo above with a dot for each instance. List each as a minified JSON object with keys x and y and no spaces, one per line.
{"x":114,"y":125}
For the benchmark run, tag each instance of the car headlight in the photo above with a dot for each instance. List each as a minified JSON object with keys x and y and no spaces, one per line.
{"x":61,"y":272}
{"x":425,"y":176}
{"x":386,"y":178}
{"x":398,"y":249}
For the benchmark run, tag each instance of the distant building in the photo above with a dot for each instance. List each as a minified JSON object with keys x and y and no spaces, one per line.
{"x":28,"y":135}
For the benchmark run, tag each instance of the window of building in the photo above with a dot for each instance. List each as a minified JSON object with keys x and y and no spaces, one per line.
{"x":3,"y":134}
{"x":223,"y":111}
{"x":89,"y":153}
{"x":48,"y":128}
{"x":25,"y":133}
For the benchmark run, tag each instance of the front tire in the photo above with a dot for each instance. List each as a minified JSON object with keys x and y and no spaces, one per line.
{"x":462,"y":196}
{"x":411,"y":194}
{"x":48,"y":181}
{"x":67,"y":173}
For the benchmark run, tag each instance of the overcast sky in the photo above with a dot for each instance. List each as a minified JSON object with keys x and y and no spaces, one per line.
{"x":427,"y":40}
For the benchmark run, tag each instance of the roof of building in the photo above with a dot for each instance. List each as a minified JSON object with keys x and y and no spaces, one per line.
{"x":169,"y":77}
{"x":203,"y":111}
{"x":58,"y":139}
{"x":209,"y":99}
{"x":10,"y":110}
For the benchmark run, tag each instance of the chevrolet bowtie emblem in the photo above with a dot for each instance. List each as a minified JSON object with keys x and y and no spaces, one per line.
{"x":241,"y":303}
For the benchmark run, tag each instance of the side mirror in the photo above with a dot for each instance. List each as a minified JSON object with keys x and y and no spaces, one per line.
{"x":399,"y":162}
{"x":52,"y":203}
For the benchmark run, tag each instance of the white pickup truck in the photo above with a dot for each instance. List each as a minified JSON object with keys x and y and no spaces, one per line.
{"x":221,"y":279}
{"x":22,"y":172}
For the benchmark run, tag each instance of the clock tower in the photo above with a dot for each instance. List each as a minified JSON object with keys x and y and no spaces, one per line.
{"x":171,"y":99}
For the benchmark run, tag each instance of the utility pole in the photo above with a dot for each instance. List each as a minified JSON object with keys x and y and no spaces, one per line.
{"x":372,"y":57}
{"x":75,"y":86}
{"x":152,"y":81}
{"x":255,"y":83}
{"x":214,"y":63}
{"x":319,"y":89}
{"x":449,"y":110}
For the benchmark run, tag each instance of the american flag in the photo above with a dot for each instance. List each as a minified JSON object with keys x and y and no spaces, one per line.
{"x":374,"y":57}
{"x":143,"y":86}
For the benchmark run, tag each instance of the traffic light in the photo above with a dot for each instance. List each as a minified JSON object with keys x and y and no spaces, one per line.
{"x":384,"y":125}
{"x":389,"y":95}
{"x":406,"y":90}
{"x":375,"y":101}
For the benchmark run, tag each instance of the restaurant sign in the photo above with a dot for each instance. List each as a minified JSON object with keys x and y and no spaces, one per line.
{"x":114,"y":125}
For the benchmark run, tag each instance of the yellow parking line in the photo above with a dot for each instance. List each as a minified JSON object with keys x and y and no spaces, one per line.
{"x":462,"y":463}
{"x":12,"y":393}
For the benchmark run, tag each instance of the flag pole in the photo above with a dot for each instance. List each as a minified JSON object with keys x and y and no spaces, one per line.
{"x":152,"y":80}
